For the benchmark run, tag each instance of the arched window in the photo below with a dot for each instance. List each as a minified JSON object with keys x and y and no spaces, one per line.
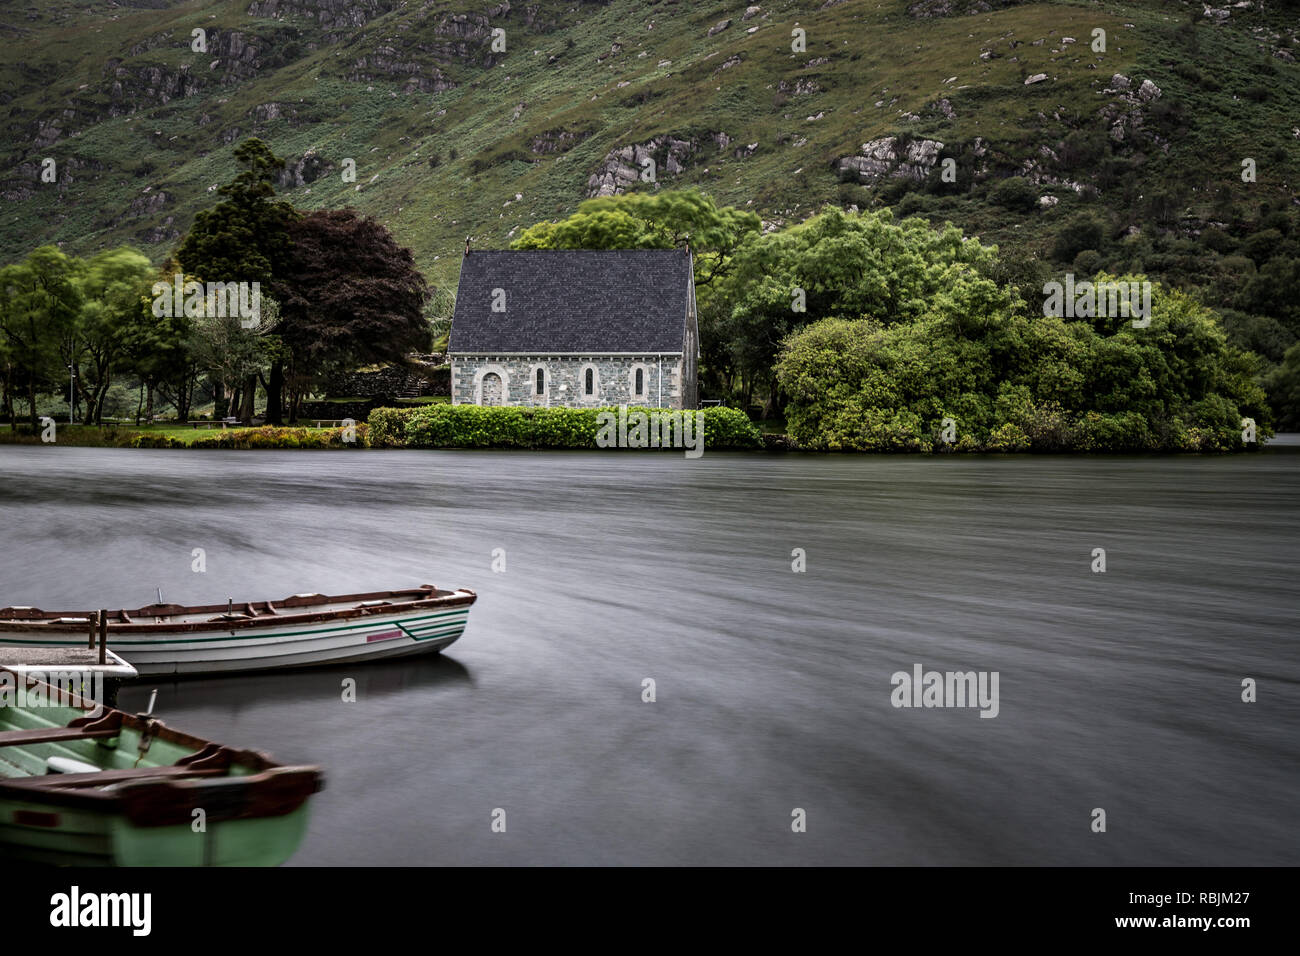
{"x":589,"y":382}
{"x":541,"y":381}
{"x":638,"y":381}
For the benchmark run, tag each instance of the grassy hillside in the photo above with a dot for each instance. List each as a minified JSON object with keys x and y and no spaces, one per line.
{"x":450,"y":138}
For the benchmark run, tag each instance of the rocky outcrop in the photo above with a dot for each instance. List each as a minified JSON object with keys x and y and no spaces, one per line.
{"x":388,"y":63}
{"x":303,"y":171}
{"x":459,"y":37}
{"x":165,"y":232}
{"x":800,"y":87}
{"x":887,"y":157}
{"x":327,"y":13}
{"x":235,"y":55}
{"x":27,"y":182}
{"x":622,"y":166}
{"x":268,"y":112}
{"x":466,"y":37}
{"x":927,"y":9}
{"x":133,"y":88}
{"x":1039,"y":171}
{"x":136,"y":84}
{"x":148,"y":203}
{"x":1125,"y":114}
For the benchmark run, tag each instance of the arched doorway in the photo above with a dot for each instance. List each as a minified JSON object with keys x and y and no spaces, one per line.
{"x":492,"y":389}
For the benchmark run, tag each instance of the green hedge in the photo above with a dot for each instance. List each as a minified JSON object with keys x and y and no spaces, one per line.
{"x":476,"y":426}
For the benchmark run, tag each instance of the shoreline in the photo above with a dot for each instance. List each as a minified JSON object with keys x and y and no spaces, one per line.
{"x":772,"y":444}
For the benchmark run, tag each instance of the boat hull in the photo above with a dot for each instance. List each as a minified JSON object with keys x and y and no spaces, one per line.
{"x":272,"y":646}
{"x":69,"y":838}
{"x":86,"y":785}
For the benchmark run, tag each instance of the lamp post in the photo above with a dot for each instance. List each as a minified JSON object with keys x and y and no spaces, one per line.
{"x":72,"y":393}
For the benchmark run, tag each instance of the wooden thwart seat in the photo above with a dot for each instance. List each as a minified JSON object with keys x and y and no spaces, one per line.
{"x":106,"y":777}
{"x":19,"y":738}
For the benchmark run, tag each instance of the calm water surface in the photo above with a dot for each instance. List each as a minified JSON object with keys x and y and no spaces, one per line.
{"x":1118,"y":690}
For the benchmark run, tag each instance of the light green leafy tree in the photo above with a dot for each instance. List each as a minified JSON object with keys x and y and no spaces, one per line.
{"x":851,"y":266}
{"x":40,"y":300}
{"x":1014,"y":381}
{"x":112,"y":285}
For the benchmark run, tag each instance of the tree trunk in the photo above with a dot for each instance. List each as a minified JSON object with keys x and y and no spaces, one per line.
{"x":773,"y":398}
{"x":139,"y":405}
{"x":185,"y":397}
{"x":275,"y":394}
{"x":250,"y":400}
{"x":31,"y":400}
{"x":219,"y":403}
{"x":148,"y":411}
{"x":100,"y":399}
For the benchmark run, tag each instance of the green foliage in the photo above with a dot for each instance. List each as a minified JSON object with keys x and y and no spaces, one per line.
{"x":388,"y":426}
{"x":113,"y":315}
{"x":1283,"y":386}
{"x":659,"y":220}
{"x":476,"y":426}
{"x":849,"y":265}
{"x":1016,"y":194}
{"x":40,"y":301}
{"x":275,"y":437}
{"x":245,"y":236}
{"x":171,"y":144}
{"x":1022,"y":382}
{"x":1081,"y":233}
{"x":150,"y":440}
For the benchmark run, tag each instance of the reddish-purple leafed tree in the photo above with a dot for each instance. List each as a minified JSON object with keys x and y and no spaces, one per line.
{"x":349,"y":296}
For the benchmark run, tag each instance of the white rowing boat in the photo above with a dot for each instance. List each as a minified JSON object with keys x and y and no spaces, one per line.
{"x":300,"y":631}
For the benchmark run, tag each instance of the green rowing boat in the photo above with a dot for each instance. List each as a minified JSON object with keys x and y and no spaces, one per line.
{"x":82,"y":784}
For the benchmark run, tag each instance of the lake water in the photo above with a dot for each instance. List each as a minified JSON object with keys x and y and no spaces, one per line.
{"x":1118,"y":690}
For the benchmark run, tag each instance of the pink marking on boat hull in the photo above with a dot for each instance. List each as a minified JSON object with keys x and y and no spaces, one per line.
{"x":384,"y":636}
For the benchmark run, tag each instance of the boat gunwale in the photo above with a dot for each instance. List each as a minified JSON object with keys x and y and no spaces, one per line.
{"x":183,"y":793}
{"x":29,"y":620}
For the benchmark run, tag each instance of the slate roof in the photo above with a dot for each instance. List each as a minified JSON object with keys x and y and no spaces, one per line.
{"x":573,"y":300}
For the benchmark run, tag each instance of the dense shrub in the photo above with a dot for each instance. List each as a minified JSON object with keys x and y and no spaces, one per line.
{"x":1087,"y":262}
{"x":1016,"y":194}
{"x":1009,"y":381}
{"x":1080,"y":233}
{"x":146,"y":440}
{"x":388,"y":426}
{"x":273,"y":437}
{"x":476,"y":426}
